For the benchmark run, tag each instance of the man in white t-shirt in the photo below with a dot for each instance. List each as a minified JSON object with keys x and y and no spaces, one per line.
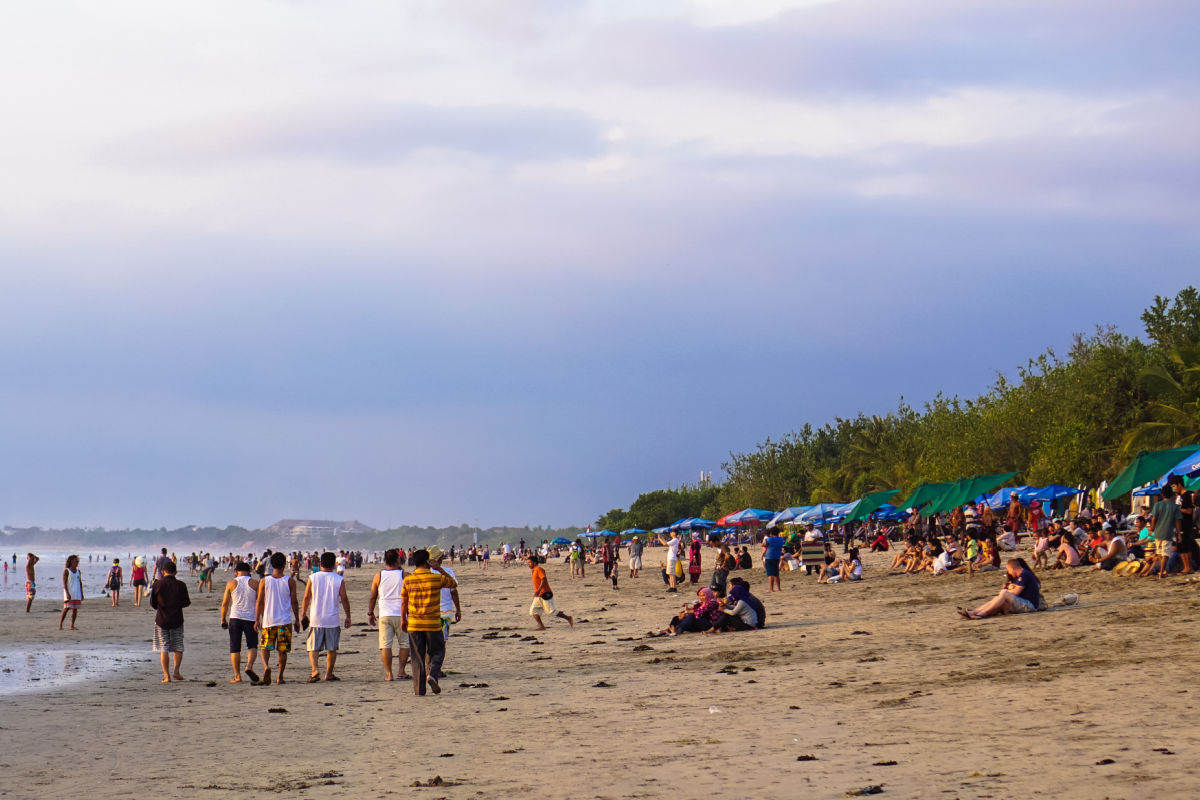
{"x":451,"y":607}
{"x":322,"y":594}
{"x":673,"y":544}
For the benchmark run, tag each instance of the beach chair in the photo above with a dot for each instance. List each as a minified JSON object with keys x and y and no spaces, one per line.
{"x":812,"y":554}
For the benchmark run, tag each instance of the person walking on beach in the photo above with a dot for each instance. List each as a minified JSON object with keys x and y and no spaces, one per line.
{"x":451,"y":606}
{"x":608,"y":557}
{"x":238,"y":615}
{"x":322,"y":594}
{"x":159,"y":563}
{"x":30,"y":579}
{"x":543,"y":598}
{"x":138,"y":581}
{"x":116,"y":579}
{"x":421,"y":618}
{"x":169,"y":597}
{"x":672,"y":546}
{"x":275,"y":612}
{"x":72,"y":583}
{"x":635,"y":556}
{"x":385,"y":588}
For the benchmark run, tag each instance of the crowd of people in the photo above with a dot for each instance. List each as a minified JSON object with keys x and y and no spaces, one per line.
{"x":271,"y":597}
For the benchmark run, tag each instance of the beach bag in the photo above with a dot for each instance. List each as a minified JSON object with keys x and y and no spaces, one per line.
{"x":678,"y":569}
{"x":547,"y":595}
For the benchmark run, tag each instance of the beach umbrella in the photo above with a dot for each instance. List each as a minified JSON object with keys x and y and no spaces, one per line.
{"x":924,"y":493}
{"x":747,"y":516}
{"x":1189,"y":467}
{"x":688,"y":523}
{"x":1000,"y":497}
{"x":787,"y":515}
{"x":865,"y":505}
{"x":962,"y":491}
{"x":560,"y":540}
{"x":598,"y":534}
{"x":1047,"y":494}
{"x":820,"y":512}
{"x":632,"y":531}
{"x":1148,"y":466}
{"x":887,"y":511}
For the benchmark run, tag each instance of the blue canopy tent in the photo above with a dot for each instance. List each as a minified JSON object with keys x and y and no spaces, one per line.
{"x":662,"y":530}
{"x":598,"y":534}
{"x":632,"y":531}
{"x":1000,"y":497}
{"x":787,"y":515}
{"x":820,"y":513}
{"x":691,"y":523}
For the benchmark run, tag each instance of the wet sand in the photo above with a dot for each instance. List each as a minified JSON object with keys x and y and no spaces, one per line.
{"x":855,"y":677}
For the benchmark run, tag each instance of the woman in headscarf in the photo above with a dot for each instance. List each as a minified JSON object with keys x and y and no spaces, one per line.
{"x":694,"y":562}
{"x":698,"y":617}
{"x":739,"y":614}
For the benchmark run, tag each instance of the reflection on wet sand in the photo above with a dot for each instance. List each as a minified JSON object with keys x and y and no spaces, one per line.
{"x":31,"y":668}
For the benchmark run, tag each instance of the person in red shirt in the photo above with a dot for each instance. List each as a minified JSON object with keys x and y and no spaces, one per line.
{"x":543,"y":598}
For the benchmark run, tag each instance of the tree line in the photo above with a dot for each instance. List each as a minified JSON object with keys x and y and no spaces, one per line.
{"x":1075,"y":419}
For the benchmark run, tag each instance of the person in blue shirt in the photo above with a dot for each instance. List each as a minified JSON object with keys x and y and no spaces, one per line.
{"x":772,"y":553}
{"x":1020,"y":595}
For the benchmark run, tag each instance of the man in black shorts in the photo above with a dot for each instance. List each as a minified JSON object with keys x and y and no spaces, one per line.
{"x":238,"y":617}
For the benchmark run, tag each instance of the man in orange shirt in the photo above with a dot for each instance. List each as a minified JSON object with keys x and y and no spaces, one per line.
{"x":543,"y":598}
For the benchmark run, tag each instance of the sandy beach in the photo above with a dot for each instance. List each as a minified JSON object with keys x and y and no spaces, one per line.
{"x":851,"y":686}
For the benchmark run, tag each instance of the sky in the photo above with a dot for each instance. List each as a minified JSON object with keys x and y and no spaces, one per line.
{"x":508,"y":262}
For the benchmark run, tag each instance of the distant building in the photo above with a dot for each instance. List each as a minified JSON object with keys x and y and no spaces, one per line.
{"x":316,"y":527}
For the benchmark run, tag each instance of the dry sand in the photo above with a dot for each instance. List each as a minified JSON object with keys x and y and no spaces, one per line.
{"x":879,"y":681}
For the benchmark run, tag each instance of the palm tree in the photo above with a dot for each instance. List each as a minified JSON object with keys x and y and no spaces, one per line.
{"x":1172,"y":418}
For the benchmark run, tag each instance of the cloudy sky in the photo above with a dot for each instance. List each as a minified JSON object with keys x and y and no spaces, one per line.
{"x":513,"y":261}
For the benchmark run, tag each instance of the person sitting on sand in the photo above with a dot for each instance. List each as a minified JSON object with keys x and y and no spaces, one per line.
{"x":1068,"y":556}
{"x":738,"y":614}
{"x":744,"y":560}
{"x":697,"y":617}
{"x":1021,"y":593}
{"x":852,"y":566}
{"x":759,"y":610}
{"x":1115,"y":550}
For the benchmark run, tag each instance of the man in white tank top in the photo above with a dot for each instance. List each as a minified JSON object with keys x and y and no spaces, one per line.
{"x":385,"y":588}
{"x":275,"y":611}
{"x":238,"y":615}
{"x":324,"y":591}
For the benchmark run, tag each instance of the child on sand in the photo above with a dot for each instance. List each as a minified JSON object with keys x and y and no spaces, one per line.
{"x":543,"y":598}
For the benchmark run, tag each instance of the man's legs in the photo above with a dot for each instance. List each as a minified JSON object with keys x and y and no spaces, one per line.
{"x":385,"y":653}
{"x":671,"y":574}
{"x":330,"y":660}
{"x":178,"y":660}
{"x":235,"y":658}
{"x":435,"y":655}
{"x":418,"y":646}
{"x":538,"y":619}
{"x":312,"y":662}
{"x":165,"y":660}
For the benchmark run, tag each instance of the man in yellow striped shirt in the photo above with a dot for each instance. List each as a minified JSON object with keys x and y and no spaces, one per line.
{"x":421,"y":619}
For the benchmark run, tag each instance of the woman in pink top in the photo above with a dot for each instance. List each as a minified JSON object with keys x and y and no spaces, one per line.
{"x":139,"y":580}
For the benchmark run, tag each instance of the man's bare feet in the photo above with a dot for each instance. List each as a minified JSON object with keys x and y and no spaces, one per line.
{"x":73,"y":628}
{"x":238,"y":679}
{"x":280,"y":682}
{"x":178,"y":677}
{"x":166,"y":680}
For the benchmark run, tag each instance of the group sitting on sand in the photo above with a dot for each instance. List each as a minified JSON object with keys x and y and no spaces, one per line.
{"x":715,"y":612}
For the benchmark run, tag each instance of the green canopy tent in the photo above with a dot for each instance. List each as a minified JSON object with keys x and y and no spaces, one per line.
{"x":869,"y":503}
{"x":1147,"y":466}
{"x":965,"y":490}
{"x":923,"y":494}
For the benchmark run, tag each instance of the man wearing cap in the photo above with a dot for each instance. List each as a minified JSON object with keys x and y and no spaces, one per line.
{"x":635,"y":556}
{"x":451,"y":607}
{"x":421,"y":619}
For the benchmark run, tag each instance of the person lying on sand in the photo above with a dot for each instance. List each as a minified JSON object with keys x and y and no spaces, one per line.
{"x":1021,"y":593}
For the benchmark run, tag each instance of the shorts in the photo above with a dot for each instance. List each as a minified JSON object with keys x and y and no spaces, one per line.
{"x":635,"y":562}
{"x":854,"y":577}
{"x":390,"y":635}
{"x":168,"y":640}
{"x":1022,"y":606}
{"x":277,"y":638}
{"x":771,"y":565}
{"x":140,"y":582}
{"x":1162,"y":547}
{"x":542,"y":605}
{"x":324,"y":640}
{"x":30,"y":589}
{"x":240,"y":629}
{"x":72,"y":604}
